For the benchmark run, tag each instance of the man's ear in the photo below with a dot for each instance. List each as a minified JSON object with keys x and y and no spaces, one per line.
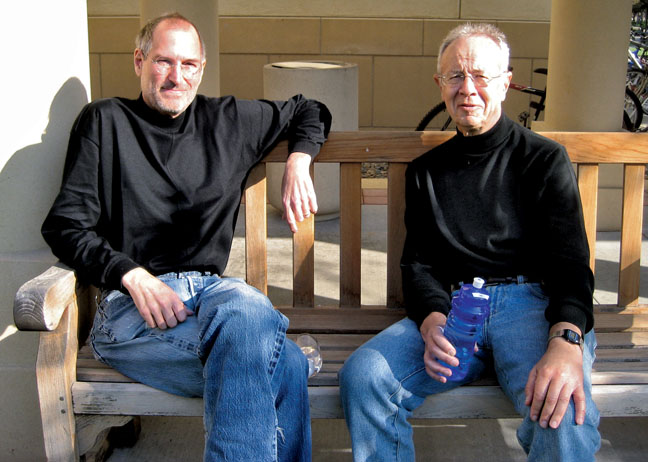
{"x":437,"y":79}
{"x":506,"y":82}
{"x":138,"y":61}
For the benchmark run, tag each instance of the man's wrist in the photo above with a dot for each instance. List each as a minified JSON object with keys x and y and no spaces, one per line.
{"x":567,"y":335}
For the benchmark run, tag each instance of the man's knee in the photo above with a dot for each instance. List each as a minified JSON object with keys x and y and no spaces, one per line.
{"x":235,"y":314}
{"x":364,"y":370}
{"x":235,"y":301}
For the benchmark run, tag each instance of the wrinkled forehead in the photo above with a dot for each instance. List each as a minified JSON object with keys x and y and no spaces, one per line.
{"x":474,"y":53}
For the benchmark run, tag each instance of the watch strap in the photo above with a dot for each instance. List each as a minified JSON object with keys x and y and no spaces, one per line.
{"x":569,"y":335}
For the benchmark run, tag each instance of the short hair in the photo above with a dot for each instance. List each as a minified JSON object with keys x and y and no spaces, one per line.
{"x":476,"y":29}
{"x":144,"y":39}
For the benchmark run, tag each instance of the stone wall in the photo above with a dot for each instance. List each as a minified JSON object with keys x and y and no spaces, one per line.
{"x":395,"y":45}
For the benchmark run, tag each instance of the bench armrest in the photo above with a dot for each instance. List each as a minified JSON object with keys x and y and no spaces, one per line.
{"x":41,"y":301}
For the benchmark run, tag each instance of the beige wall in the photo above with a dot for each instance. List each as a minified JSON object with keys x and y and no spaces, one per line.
{"x":47,"y":91}
{"x":394,"y":44}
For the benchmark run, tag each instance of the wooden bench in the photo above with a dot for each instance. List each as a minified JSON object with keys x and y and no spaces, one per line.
{"x":79,"y":397}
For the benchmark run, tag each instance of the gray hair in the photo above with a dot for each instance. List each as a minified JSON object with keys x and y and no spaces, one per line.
{"x":144,"y":39}
{"x":476,"y":29}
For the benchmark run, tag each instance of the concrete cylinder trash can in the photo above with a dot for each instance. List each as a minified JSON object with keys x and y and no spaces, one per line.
{"x":335,"y":84}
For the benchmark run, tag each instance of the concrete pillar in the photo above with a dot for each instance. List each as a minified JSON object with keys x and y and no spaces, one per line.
{"x":49,"y":77}
{"x":588,"y":46}
{"x":334,"y":84}
{"x":204,"y":14}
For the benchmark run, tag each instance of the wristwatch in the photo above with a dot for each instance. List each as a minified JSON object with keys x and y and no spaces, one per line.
{"x":569,"y":335}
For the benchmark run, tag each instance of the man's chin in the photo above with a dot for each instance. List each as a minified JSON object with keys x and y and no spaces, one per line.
{"x":172,"y":109}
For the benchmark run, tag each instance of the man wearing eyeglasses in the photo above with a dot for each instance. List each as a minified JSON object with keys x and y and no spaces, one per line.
{"x":146,"y":212}
{"x":499,"y":202}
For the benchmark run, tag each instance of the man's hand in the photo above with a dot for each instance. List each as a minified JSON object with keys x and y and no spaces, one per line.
{"x":156,"y":302}
{"x":297,"y":191}
{"x":437,"y":347}
{"x":554,"y":380}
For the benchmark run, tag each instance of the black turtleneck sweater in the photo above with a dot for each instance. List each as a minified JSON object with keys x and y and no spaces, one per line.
{"x":143,"y":189}
{"x":504,"y":203}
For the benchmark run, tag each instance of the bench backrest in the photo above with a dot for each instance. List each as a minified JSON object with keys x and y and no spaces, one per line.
{"x":587,"y":150}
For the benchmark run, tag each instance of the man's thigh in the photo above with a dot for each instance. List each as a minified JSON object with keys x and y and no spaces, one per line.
{"x":398,"y":353}
{"x":518,"y":332}
{"x":165,"y":359}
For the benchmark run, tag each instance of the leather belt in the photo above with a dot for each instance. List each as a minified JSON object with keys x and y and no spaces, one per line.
{"x":494,"y":281}
{"x":507,"y":280}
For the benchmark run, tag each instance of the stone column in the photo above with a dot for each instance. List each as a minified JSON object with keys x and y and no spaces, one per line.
{"x":334,"y":84}
{"x":49,"y":79}
{"x":586,"y":81}
{"x":204,"y":14}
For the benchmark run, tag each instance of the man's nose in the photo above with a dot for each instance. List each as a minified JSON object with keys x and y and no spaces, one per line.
{"x":175,"y":73}
{"x":468,"y":86}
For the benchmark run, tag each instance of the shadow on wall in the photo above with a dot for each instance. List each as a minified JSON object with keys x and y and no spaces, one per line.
{"x":31,"y":178}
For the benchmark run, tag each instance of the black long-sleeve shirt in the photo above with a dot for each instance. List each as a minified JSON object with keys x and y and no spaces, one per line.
{"x":504,"y":203}
{"x":142,"y":189}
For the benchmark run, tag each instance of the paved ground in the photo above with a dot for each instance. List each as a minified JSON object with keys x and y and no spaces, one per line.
{"x":181,"y":439}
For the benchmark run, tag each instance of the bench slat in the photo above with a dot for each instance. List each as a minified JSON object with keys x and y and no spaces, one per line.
{"x":630,"y":267}
{"x":463,"y":402}
{"x":588,"y":187}
{"x":256,"y":230}
{"x":351,"y":229}
{"x":405,"y":146}
{"x":340,"y":320}
{"x":395,"y":233}
{"x":611,"y":322}
{"x":304,"y":262}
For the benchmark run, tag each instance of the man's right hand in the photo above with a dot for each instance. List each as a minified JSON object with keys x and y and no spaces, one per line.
{"x":156,"y":302}
{"x":437,"y":347}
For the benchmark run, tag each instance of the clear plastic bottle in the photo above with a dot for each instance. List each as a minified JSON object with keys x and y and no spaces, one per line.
{"x":470,"y":307}
{"x":311,"y":350}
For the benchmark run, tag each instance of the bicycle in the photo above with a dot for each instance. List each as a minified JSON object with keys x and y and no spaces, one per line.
{"x":637,"y":72}
{"x":632,"y":114}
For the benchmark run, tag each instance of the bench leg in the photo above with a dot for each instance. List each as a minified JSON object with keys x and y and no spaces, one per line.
{"x":55,"y":373}
{"x":99,"y":434}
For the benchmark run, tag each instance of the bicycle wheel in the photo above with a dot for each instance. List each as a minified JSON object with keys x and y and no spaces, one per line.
{"x":635,"y":82}
{"x":633,"y":110}
{"x":432,"y":113}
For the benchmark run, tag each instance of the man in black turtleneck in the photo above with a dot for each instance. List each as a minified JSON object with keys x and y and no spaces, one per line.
{"x":146,"y":212}
{"x":501,"y":203}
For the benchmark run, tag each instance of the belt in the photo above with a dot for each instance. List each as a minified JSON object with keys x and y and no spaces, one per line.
{"x":507,"y":280}
{"x":494,"y":281}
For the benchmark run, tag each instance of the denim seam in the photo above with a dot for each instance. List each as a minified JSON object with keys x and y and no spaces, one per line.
{"x":278,"y":347}
{"x":395,"y":419}
{"x":396,"y":414}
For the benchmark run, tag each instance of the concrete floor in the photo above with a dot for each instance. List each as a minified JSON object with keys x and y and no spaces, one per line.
{"x":181,"y":439}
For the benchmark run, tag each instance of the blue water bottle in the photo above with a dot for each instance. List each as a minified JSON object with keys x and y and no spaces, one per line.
{"x":470,"y":308}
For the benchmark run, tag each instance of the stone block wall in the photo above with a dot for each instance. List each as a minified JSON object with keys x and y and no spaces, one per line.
{"x":395,"y":45}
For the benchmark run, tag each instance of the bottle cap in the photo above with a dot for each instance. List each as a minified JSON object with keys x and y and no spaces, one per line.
{"x":478,"y":283}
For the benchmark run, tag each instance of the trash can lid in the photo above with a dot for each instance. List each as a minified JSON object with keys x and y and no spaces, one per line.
{"x":308,"y":65}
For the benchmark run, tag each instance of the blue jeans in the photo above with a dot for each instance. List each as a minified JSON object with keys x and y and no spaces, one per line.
{"x":233,"y":352}
{"x":385,"y":380}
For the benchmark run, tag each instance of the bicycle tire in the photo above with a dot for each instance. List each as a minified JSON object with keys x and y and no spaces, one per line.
{"x":432,"y":113}
{"x":635,"y":81}
{"x":634,"y":111}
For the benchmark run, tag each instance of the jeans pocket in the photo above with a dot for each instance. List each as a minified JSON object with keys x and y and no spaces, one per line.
{"x":117,"y":319}
{"x":536,"y":290}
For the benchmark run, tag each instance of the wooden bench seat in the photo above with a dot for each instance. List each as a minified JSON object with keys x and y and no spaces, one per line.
{"x":79,"y":396}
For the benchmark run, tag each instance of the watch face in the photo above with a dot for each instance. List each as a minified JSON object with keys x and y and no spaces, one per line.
{"x":572,"y":336}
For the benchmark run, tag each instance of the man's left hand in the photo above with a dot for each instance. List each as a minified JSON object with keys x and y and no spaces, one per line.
{"x":297,"y":191}
{"x":554,"y":380}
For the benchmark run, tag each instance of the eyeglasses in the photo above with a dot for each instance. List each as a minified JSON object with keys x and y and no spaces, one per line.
{"x":456,"y":79}
{"x":164,"y":65}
